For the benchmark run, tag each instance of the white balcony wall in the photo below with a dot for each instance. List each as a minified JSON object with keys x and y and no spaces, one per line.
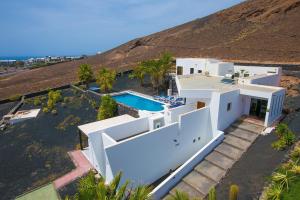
{"x":172,"y":115}
{"x":196,"y":93}
{"x":195,"y":131}
{"x":128,"y":129}
{"x":146,"y":158}
{"x":272,"y":80}
{"x":257,"y":70}
{"x":96,"y":152}
{"x":225,"y":68}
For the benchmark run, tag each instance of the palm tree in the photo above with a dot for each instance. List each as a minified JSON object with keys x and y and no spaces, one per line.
{"x":105,"y":79}
{"x":166,"y":63}
{"x":90,"y":188}
{"x":85,"y":74}
{"x":153,"y":68}
{"x":139,"y":72}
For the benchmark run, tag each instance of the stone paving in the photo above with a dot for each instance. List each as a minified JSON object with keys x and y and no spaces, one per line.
{"x":83,"y":166}
{"x":209,"y":172}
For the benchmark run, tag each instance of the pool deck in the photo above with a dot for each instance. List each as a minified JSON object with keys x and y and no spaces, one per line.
{"x":83,"y":166}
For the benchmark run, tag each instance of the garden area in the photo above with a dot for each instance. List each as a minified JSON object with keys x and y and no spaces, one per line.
{"x":34,"y":152}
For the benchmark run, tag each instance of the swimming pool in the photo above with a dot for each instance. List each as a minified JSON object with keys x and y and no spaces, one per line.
{"x":138,"y":102}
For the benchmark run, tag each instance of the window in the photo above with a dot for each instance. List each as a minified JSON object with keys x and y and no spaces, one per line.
{"x":191,"y":70}
{"x":228,"y":106}
{"x":199,"y":71}
{"x":179,"y":70}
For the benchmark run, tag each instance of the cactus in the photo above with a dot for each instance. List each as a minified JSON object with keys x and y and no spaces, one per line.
{"x":233,"y":194}
{"x":212,"y":194}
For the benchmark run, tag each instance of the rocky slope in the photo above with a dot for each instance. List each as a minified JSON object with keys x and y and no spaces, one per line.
{"x":259,"y":31}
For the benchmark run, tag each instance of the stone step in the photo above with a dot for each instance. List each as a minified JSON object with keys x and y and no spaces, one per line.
{"x":237,"y":142}
{"x":220,"y":160}
{"x":229,"y":151}
{"x":210,"y":170}
{"x":248,"y":126}
{"x":199,"y":182}
{"x":190,"y":190}
{"x":241,"y":133}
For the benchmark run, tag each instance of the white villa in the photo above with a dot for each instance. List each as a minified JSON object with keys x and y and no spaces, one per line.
{"x":160,"y":147}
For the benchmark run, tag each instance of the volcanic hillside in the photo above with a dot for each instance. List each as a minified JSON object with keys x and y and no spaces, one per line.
{"x":260,"y":31}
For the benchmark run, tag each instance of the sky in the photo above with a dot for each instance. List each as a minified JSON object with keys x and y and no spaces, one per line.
{"x":76,"y":27}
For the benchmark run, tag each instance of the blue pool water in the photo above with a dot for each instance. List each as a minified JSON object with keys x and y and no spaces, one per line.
{"x":138,"y":102}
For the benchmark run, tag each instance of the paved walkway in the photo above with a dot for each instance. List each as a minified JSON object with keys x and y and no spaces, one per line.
{"x":82,"y":167}
{"x":213,"y":168}
{"x":251,"y":172}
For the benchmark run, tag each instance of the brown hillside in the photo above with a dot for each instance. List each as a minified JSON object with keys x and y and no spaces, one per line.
{"x":253,"y":31}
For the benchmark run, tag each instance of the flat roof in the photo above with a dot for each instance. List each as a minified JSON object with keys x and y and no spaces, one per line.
{"x":198,"y":81}
{"x":106,"y":123}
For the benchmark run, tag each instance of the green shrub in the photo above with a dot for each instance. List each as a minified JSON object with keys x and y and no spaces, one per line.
{"x":279,"y":145}
{"x":283,"y":179}
{"x":50,"y":104}
{"x":15,"y":97}
{"x":108,"y":108}
{"x":233,"y":193}
{"x":289,"y":138}
{"x":285,"y":137}
{"x":70,"y":120}
{"x":37,"y":101}
{"x":281,"y":129}
{"x":43,"y":98}
{"x":45,"y":110}
{"x":295,"y":153}
{"x":93,"y":104}
{"x":274,"y":192}
{"x":55,"y":95}
{"x":212,"y":194}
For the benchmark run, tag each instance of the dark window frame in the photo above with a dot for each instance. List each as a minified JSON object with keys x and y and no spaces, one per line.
{"x":229,"y":106}
{"x":192,"y":70}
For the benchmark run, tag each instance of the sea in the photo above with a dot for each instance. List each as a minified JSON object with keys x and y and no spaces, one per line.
{"x":19,"y":58}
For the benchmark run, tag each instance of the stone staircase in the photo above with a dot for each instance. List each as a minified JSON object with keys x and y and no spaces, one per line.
{"x":209,"y":172}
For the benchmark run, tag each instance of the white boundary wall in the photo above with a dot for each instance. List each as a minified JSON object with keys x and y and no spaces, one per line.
{"x":164,"y":187}
{"x":213,"y":66}
{"x":125,"y":130}
{"x":147,"y":157}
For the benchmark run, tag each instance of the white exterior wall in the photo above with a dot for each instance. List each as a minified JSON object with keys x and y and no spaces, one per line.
{"x":257,"y":70}
{"x":172,"y":115}
{"x":187,"y":63}
{"x":271,"y":80}
{"x":128,"y":129}
{"x":274,"y":108}
{"x":213,"y":66}
{"x":96,"y":152}
{"x":225,"y":68}
{"x":147,"y":157}
{"x":221,"y":118}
